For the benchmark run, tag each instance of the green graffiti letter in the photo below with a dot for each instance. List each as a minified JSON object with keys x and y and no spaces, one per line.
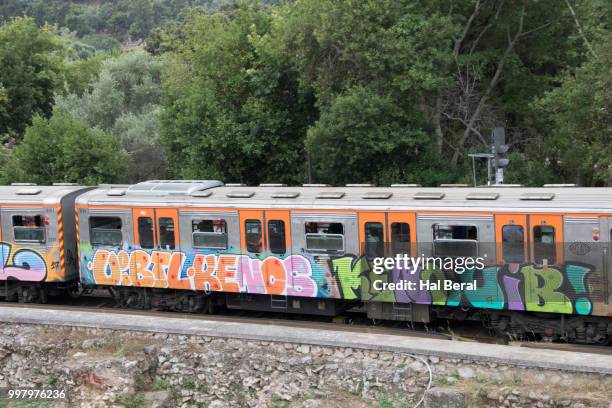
{"x":541,"y":291}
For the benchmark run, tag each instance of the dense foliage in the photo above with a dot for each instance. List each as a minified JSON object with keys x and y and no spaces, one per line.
{"x":333,"y":91}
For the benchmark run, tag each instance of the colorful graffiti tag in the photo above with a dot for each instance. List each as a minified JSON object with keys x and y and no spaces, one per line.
{"x":559,"y":289}
{"x":23,"y":263}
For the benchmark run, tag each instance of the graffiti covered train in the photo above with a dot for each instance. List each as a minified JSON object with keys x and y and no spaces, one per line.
{"x":196,"y":245}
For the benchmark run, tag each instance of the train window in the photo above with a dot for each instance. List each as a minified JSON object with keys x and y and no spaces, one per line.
{"x":513,"y":244}
{"x":253,"y":234}
{"x":105,"y":231}
{"x":166,"y":233}
{"x":276,"y":235}
{"x":455,"y":241}
{"x":374,"y":240}
{"x":145,"y":232}
{"x":324,"y":237}
{"x":544,"y":244}
{"x":210,"y":234}
{"x":400,"y":238}
{"x":29,"y":228}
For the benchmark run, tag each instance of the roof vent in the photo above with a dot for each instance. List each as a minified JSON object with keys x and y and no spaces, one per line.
{"x":235,"y":185}
{"x":315,"y":185}
{"x":204,"y":193}
{"x":537,"y":196}
{"x":382,"y":195}
{"x":115,"y":192}
{"x":504,"y":185}
{"x":240,"y":194}
{"x":333,"y":195}
{"x":23,"y":184}
{"x":285,"y":194}
{"x":405,"y":185}
{"x":361,"y":185}
{"x":65,"y":184}
{"x":454,"y":185}
{"x":29,"y":191}
{"x":272,"y":185}
{"x":423,"y":195}
{"x":482,"y":196}
{"x":171,"y":187}
{"x":560,"y":185}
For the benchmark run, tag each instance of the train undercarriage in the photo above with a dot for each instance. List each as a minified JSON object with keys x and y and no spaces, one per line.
{"x":549,"y":327}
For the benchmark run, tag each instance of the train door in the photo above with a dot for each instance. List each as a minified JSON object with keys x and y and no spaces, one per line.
{"x":252,"y":233}
{"x":266,"y":234}
{"x":546,"y":239}
{"x":511,"y":238}
{"x":373,"y":234}
{"x":401,"y":233}
{"x":156,"y":228}
{"x":278,"y":233}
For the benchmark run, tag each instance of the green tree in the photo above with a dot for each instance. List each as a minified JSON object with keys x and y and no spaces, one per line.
{"x":123,"y":98}
{"x":233,"y":109}
{"x":31,"y":61}
{"x":577,"y":120}
{"x":65,"y":149}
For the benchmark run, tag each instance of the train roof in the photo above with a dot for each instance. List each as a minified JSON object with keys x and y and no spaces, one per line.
{"x":27,"y":193}
{"x":214,"y":194}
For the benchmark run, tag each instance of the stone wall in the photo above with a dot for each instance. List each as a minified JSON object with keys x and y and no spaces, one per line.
{"x":100,"y":368}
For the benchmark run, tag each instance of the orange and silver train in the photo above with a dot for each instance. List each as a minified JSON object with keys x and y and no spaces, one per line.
{"x":195,"y":245}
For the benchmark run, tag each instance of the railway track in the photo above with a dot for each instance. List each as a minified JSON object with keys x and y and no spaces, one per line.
{"x":465,"y":332}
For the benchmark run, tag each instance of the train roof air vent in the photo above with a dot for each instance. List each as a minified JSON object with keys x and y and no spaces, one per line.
{"x":240,"y":194}
{"x":65,"y":184}
{"x":333,"y":195}
{"x":382,"y":195}
{"x":204,"y":193}
{"x":272,"y":185}
{"x":560,"y":185}
{"x":454,"y":185}
{"x":424,"y":195}
{"x":23,"y":184}
{"x":285,"y":194}
{"x":537,"y":196}
{"x":115,"y":192}
{"x":235,"y":185}
{"x":482,"y":196}
{"x":315,"y":185}
{"x":360,"y":185}
{"x":29,"y":191}
{"x":406,"y":185}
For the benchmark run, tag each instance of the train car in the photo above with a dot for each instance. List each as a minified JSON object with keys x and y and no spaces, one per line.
{"x":38,"y":241}
{"x":190,"y":245}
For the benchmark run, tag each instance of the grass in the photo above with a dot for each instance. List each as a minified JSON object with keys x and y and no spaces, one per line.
{"x":52,"y":379}
{"x":131,"y":401}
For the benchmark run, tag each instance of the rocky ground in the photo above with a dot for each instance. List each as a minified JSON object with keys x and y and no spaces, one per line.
{"x":105,"y":368}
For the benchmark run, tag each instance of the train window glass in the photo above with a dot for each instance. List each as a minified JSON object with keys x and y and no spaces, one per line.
{"x":513,"y":244}
{"x":276,"y":235}
{"x":210,"y":234}
{"x":455,"y":241}
{"x":253,"y":234}
{"x":105,"y":231}
{"x":145,"y":232}
{"x":166,"y":233}
{"x":324,"y":237}
{"x":544,"y":244}
{"x":29,"y":228}
{"x":374,"y":240}
{"x":400,"y":238}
